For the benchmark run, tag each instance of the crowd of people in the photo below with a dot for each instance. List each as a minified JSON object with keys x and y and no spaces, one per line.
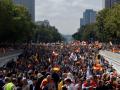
{"x":59,"y":66}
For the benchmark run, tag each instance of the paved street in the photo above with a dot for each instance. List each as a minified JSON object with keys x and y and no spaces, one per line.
{"x":113,"y":58}
{"x":6,"y":58}
{"x":9,"y":52}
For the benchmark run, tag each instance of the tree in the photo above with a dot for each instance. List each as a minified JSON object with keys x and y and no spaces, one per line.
{"x":87,"y":32}
{"x":6,"y":19}
{"x":23,"y":26}
{"x":108,"y":23}
{"x":47,"y":34}
{"x":112,"y":24}
{"x":15,"y":23}
{"x":100,"y":22}
{"x":107,"y":27}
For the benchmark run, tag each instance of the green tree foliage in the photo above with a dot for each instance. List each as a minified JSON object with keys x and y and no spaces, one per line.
{"x":107,"y":27}
{"x":101,"y":23}
{"x":108,"y":23}
{"x":15,"y":23}
{"x":87,"y":32}
{"x":112,"y":24}
{"x":47,"y":34}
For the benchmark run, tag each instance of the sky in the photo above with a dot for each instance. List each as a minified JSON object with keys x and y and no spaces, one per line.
{"x":64,"y":14}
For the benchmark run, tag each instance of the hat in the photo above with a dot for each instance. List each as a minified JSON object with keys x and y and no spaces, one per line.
{"x":67,"y":79}
{"x":56,"y":69}
{"x":39,"y":75}
{"x":7,"y":78}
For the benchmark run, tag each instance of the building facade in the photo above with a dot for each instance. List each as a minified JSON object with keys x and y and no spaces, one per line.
{"x":82,"y":22}
{"x":110,"y":3}
{"x":29,"y":4}
{"x":89,"y":16}
{"x":43,"y":23}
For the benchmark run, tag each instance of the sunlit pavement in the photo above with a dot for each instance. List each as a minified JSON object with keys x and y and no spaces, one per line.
{"x":113,"y":58}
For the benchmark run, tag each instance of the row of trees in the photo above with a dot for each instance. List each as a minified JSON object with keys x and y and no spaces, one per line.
{"x":47,"y":34}
{"x":16,"y":25}
{"x":106,"y":28}
{"x":87,"y":32}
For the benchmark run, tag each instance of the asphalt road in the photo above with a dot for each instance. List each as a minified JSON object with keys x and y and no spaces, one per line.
{"x":6,"y":58}
{"x":113,"y":58}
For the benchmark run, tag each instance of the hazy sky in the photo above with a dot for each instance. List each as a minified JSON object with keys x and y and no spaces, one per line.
{"x":65,"y":14}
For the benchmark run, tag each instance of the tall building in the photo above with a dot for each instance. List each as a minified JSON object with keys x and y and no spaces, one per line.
{"x":89,"y":16}
{"x":82,"y":22}
{"x":29,"y":4}
{"x":110,"y":3}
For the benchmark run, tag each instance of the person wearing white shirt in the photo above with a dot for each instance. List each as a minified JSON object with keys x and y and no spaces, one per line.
{"x":70,"y":85}
{"x":73,"y":57}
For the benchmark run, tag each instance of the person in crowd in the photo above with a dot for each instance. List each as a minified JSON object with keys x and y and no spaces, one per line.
{"x":40,"y":78}
{"x":9,"y":84}
{"x":25,"y":85}
{"x":1,"y":81}
{"x":78,"y":84}
{"x":48,"y":83}
{"x":69,"y":84}
{"x":76,"y":68}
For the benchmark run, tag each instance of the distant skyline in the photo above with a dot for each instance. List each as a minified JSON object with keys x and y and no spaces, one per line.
{"x":65,"y":14}
{"x":89,"y":17}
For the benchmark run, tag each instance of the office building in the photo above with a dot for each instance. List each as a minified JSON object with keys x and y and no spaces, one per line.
{"x":89,"y":16}
{"x":82,"y":22}
{"x":110,"y":3}
{"x":29,"y":4}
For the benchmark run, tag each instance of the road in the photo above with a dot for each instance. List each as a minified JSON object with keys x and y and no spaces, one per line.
{"x":10,"y":52}
{"x":6,"y":58}
{"x":113,"y":58}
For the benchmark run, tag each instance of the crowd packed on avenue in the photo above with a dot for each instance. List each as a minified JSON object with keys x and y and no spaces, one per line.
{"x":59,"y":66}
